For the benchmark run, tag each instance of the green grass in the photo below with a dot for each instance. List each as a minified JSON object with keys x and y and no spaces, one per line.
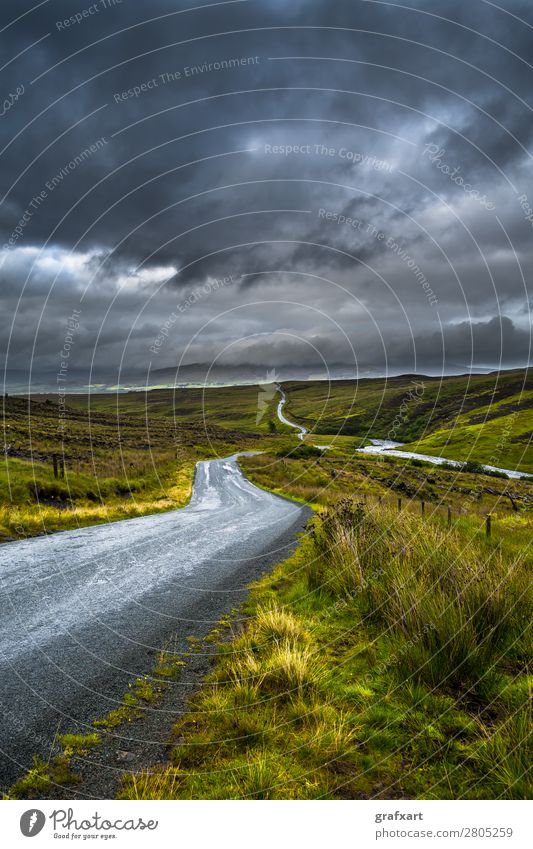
{"x":378,"y":662}
{"x":32,"y":501}
{"x":45,"y":776}
{"x":323,"y":480}
{"x":498,"y":442}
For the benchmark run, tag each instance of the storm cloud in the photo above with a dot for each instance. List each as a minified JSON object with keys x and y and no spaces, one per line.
{"x":327,"y":185}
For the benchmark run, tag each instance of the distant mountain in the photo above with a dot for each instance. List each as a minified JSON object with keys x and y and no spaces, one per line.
{"x":18,"y":382}
{"x":194,"y":374}
{"x":202,"y":373}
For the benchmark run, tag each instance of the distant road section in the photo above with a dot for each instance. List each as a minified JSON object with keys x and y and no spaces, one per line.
{"x":283,"y":400}
{"x":387,"y":446}
{"x":83,"y":611}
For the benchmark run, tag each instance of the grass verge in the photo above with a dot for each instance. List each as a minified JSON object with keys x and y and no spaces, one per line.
{"x":386,"y":659}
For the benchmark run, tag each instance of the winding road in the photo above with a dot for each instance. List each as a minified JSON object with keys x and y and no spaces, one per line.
{"x":282,"y":401}
{"x":83,"y":611}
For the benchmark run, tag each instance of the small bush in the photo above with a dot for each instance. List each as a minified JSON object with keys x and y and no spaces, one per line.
{"x":292,"y":671}
{"x":479,"y":469}
{"x":273,"y":624}
{"x":301,"y":452}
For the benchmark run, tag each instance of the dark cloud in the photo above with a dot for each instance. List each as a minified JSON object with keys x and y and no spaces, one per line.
{"x":466,"y":344}
{"x":149,"y":151}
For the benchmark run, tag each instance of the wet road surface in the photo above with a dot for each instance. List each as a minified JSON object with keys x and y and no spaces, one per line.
{"x":83,"y":611}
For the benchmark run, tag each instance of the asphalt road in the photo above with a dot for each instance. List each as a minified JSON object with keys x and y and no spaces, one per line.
{"x":82,"y":612}
{"x":387,"y":446}
{"x":283,"y":400}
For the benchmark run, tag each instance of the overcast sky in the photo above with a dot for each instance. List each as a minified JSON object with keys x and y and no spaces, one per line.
{"x":328,"y":184}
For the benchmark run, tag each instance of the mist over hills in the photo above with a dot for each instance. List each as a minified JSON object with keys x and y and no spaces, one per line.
{"x":77,"y":381}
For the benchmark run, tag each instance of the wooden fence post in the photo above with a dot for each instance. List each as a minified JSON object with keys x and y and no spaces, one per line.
{"x":488,"y":522}
{"x":423,"y":505}
{"x":399,"y":505}
{"x":449,"y":516}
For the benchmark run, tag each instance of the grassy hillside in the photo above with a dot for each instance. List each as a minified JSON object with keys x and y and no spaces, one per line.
{"x":233,"y":408}
{"x":488,"y":418}
{"x":499,"y":434}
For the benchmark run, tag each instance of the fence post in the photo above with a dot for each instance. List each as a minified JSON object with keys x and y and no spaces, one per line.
{"x":423,"y":505}
{"x":399,"y":505}
{"x":449,"y":516}
{"x":54,"y":461}
{"x":488,"y":522}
